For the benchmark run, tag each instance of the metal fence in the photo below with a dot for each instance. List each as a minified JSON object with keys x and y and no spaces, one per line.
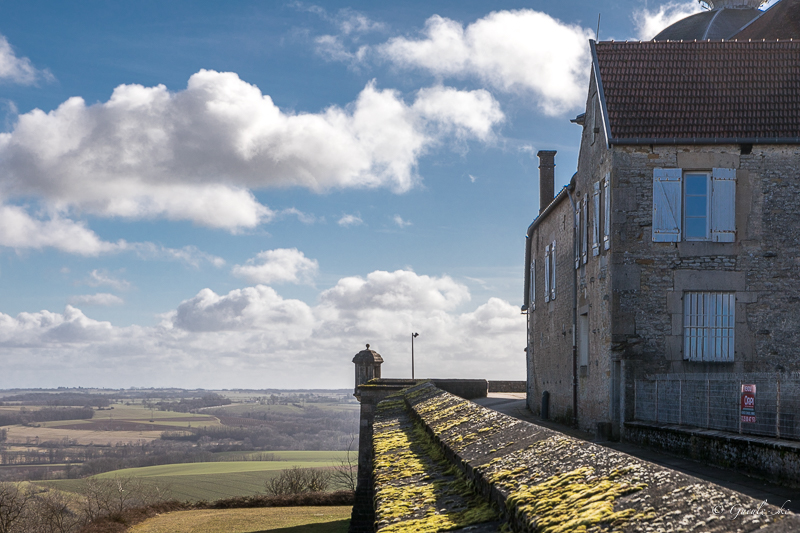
{"x":714,"y":401}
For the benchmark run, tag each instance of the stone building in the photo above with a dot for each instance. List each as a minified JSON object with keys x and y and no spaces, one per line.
{"x":673,"y":255}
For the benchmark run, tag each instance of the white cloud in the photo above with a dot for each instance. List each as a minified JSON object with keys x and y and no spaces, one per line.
{"x":101,"y":299}
{"x":15,"y":69}
{"x":305,"y":218}
{"x":650,"y":23}
{"x":100,"y":278}
{"x":253,"y":337}
{"x":278,"y":266}
{"x":472,"y":178}
{"x":189,"y":254}
{"x":400,"y":222}
{"x":350,"y":220}
{"x":19,"y":230}
{"x":522,"y":51}
{"x":196,"y":154}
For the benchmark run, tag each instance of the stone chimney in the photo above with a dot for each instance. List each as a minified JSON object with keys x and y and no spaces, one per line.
{"x":547,"y":177}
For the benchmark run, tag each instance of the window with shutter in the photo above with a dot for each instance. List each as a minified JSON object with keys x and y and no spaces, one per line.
{"x":607,"y":212}
{"x":667,"y":204}
{"x":596,"y":219}
{"x":547,"y":273}
{"x":723,"y":205}
{"x":585,"y":229}
{"x":553,"y":271}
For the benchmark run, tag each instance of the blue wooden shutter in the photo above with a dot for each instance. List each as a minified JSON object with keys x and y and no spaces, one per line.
{"x":723,"y":205}
{"x":667,"y":204}
{"x":607,"y":212}
{"x":532,"y":297}
{"x":553,"y":271}
{"x":585,"y":229}
{"x":596,"y":219}
{"x":547,"y":273}
{"x":578,"y":235}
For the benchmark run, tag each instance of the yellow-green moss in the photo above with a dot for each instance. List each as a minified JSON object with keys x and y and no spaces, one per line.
{"x":415,"y":487}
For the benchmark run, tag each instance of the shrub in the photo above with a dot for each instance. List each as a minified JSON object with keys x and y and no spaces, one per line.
{"x":298,"y":481}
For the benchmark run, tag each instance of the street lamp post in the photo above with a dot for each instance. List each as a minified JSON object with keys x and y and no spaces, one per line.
{"x":412,"y":353}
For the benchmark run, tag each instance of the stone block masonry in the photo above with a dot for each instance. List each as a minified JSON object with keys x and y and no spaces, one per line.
{"x":438,"y":458}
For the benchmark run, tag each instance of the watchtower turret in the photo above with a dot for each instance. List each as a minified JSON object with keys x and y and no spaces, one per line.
{"x":368,"y":366}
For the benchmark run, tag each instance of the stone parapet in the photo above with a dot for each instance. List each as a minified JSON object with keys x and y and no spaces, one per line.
{"x":532,"y":478}
{"x":765,"y":457}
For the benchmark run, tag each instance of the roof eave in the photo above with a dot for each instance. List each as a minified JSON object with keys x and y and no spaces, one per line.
{"x":705,"y":140}
{"x":600,"y":93}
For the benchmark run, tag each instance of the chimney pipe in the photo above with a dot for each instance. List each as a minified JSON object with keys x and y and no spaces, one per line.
{"x":547,"y":177}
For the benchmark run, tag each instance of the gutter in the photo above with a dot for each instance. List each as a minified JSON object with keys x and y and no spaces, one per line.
{"x":704,"y":140}
{"x":575,"y":231}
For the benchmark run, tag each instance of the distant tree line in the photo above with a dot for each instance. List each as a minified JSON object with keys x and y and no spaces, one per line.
{"x":186,"y":405}
{"x":47,"y":414}
{"x":59,"y":399}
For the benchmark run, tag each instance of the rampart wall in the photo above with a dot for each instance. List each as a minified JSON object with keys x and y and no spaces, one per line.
{"x":444,"y":463}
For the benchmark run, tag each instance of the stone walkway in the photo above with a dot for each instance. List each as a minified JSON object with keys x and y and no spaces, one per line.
{"x":513,"y":404}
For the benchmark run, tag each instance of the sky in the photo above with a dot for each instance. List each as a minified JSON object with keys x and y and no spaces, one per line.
{"x":244,"y":194}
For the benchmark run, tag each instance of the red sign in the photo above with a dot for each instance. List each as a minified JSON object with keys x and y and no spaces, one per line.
{"x":748,"y":403}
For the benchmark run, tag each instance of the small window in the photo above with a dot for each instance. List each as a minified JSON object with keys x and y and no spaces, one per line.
{"x":708,"y":326}
{"x":696,"y":207}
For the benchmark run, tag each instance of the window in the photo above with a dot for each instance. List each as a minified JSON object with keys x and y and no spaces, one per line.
{"x":694,"y":206}
{"x":547,"y":273}
{"x":708,"y":326}
{"x":584,"y":229}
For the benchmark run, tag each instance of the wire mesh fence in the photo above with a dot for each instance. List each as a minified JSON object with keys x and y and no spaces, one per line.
{"x":717,"y":401}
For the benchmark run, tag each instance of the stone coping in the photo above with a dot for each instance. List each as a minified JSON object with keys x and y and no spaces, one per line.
{"x":539,"y":480}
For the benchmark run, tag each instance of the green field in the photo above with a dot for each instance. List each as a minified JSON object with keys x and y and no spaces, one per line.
{"x":214,"y":481}
{"x":277,"y":519}
{"x":238,"y":409}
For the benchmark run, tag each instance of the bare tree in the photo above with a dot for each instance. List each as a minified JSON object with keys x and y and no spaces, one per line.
{"x":112,"y":496}
{"x":14,"y":506}
{"x":298,"y":480}
{"x":52,"y":514}
{"x":345,"y":474}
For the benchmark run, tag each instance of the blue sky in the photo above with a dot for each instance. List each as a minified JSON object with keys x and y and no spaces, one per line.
{"x":243,"y":194}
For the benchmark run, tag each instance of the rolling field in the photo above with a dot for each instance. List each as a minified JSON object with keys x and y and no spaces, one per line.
{"x":124,"y":423}
{"x":213,"y":481}
{"x":277,"y":519}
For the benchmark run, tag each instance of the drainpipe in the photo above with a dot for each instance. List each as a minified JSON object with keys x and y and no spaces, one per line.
{"x":574,"y":320}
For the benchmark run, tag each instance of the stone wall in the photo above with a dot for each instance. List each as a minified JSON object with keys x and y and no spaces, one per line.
{"x":507,"y":386}
{"x":444,"y":463}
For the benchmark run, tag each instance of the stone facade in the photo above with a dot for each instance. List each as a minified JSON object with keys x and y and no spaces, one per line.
{"x":631,"y":296}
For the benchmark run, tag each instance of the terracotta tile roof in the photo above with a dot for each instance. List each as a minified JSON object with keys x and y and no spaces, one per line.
{"x":781,"y":21}
{"x":701,"y":90}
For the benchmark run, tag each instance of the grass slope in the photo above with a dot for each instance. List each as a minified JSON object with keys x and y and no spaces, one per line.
{"x":213,"y":481}
{"x":275,"y":519}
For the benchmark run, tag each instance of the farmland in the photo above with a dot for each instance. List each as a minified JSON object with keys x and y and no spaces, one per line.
{"x":217,"y":480}
{"x":310,"y":519}
{"x":202,"y":443}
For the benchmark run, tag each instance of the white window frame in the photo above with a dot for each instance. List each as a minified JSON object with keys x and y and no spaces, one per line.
{"x":709,"y":326}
